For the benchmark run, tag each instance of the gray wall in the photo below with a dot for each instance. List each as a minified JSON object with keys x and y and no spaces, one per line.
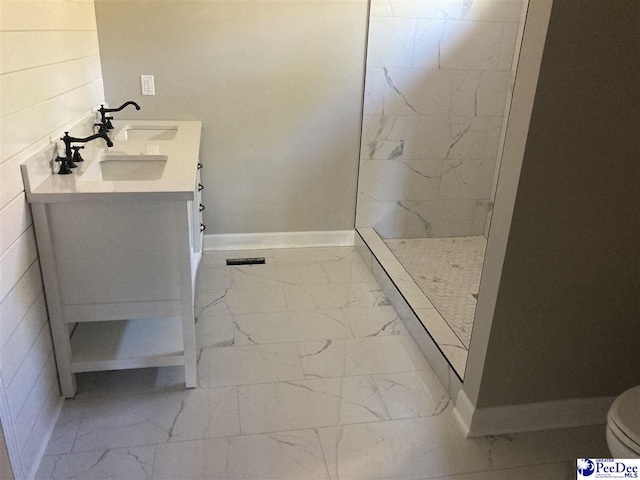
{"x":567,"y":318}
{"x":278,"y":86}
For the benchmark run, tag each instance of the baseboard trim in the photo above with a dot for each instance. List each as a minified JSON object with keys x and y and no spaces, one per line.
{"x":256,"y":241}
{"x":575,"y":412}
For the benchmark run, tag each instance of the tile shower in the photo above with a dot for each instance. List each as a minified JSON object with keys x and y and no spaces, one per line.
{"x":438,"y":85}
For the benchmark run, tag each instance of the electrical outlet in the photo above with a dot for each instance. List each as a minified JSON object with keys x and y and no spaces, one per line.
{"x":148,"y":85}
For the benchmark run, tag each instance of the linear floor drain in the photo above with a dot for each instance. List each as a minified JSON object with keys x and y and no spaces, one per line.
{"x":245,"y":261}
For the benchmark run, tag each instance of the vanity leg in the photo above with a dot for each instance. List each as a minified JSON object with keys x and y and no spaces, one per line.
{"x":59,"y":328}
{"x":186,"y":295}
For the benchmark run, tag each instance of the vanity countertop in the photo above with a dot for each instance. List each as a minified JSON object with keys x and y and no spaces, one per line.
{"x":177,"y":180}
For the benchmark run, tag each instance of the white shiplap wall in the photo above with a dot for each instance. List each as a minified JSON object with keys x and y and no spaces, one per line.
{"x":50,"y":76}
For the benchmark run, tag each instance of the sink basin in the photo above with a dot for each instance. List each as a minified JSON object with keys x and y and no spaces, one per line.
{"x":123,"y":168}
{"x":147,"y":132}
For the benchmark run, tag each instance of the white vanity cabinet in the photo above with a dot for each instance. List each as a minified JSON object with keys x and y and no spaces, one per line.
{"x":119,"y":271}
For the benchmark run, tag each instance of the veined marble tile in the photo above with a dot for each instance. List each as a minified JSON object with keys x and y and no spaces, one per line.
{"x":456,"y":137}
{"x":547,"y":446}
{"x":509,"y":45}
{"x":134,"y":463}
{"x":457,"y":356}
{"x":402,"y":91}
{"x":383,"y":136}
{"x":384,"y":180}
{"x":354,"y":356}
{"x":309,"y":403}
{"x":374,"y":87}
{"x":390,"y":42}
{"x":381,"y":215}
{"x":414,"y":352}
{"x":434,"y":218}
{"x":218,"y":258}
{"x":556,"y":471}
{"x":480,"y":93}
{"x":374,"y":321}
{"x":249,"y":364}
{"x":453,"y":44}
{"x":213,"y":279}
{"x":282,"y":455}
{"x":335,"y":295}
{"x":437,"y":9}
{"x":64,"y":433}
{"x":261,"y":328}
{"x":240,"y":300}
{"x":492,"y":10}
{"x":438,"y":328}
{"x":288,"y":256}
{"x":466,"y":179}
{"x":276,"y":275}
{"x":131,"y":420}
{"x":348,"y":272}
{"x":214,"y":330}
{"x":408,"y":395}
{"x":408,"y":449}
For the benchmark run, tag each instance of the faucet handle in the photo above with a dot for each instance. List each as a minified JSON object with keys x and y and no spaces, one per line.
{"x":64,"y":166}
{"x":76,"y":154}
{"x":108,"y":125}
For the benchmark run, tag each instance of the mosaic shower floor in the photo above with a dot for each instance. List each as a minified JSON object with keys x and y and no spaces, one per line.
{"x":448,"y":272}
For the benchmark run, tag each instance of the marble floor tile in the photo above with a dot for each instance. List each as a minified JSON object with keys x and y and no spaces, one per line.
{"x":309,"y":403}
{"x":347,"y":272}
{"x":286,"y":256}
{"x":283,"y":455}
{"x":400,"y":449}
{"x":214,"y":259}
{"x":408,"y":395}
{"x":354,"y":356}
{"x":262,"y":328}
{"x":134,"y":463}
{"x":276,"y":275}
{"x":214,"y":330}
{"x":347,"y":295}
{"x":132,"y":420}
{"x":240,"y":300}
{"x":414,"y":352}
{"x":213,"y":279}
{"x":553,"y":471}
{"x":548,"y":446}
{"x":374,"y":321}
{"x":64,"y":433}
{"x":245,"y":365}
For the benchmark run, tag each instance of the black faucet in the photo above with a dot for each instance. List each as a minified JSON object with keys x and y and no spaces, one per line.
{"x":68,"y":161}
{"x":106,"y":124}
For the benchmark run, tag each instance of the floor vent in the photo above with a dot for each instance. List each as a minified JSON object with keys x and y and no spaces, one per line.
{"x":245,"y":261}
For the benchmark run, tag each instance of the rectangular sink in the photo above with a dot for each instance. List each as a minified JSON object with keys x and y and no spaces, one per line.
{"x":147,"y":132}
{"x":126,"y":168}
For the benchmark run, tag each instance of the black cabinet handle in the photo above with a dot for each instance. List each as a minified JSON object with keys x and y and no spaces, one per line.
{"x":201,"y":207}
{"x":202,"y":227}
{"x":199,"y":166}
{"x":200,"y":187}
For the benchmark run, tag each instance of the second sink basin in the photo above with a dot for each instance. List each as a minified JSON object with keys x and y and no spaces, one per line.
{"x":147,"y":132}
{"x":114,"y":168}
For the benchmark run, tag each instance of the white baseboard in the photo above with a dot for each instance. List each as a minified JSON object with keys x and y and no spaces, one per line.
{"x":257,"y":241}
{"x":575,"y":412}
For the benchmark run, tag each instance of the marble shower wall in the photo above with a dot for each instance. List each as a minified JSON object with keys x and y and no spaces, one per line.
{"x":438,"y":76}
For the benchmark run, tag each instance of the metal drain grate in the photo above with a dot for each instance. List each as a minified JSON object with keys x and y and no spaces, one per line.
{"x":245,"y":261}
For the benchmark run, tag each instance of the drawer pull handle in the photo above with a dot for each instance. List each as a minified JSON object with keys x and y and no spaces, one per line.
{"x":200,"y":187}
{"x":199,"y":166}
{"x":201,"y":207}
{"x":202,"y":227}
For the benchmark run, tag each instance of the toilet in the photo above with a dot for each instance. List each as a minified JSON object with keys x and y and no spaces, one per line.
{"x":623,"y":425}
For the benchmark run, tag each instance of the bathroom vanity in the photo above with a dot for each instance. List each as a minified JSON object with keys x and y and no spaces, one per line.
{"x":120,"y":241}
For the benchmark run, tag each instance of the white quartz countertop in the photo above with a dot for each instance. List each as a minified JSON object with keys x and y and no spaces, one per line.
{"x":176,"y":182}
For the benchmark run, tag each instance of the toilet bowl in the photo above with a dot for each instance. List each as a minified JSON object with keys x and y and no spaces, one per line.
{"x":623,"y":425}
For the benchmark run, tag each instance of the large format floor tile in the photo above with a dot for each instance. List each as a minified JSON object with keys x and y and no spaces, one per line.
{"x":304,"y":372}
{"x":283,"y":455}
{"x":309,"y":403}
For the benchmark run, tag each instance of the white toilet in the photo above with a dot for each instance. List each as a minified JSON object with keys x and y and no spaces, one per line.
{"x":623,"y":425}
